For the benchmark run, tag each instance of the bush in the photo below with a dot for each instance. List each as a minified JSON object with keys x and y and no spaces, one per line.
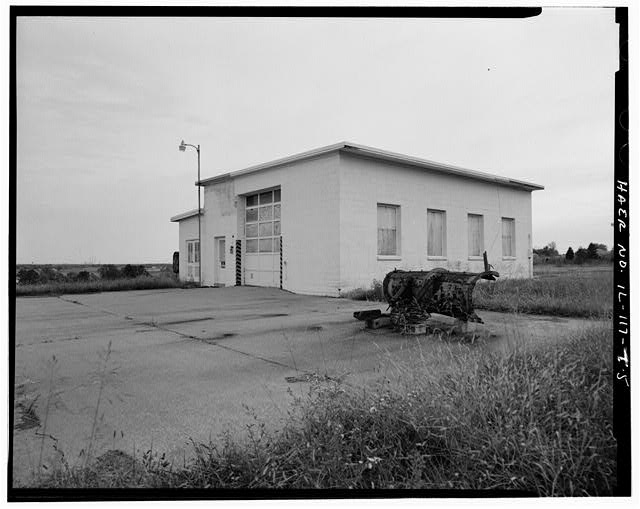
{"x":167,"y":272}
{"x":83,"y":275}
{"x":374,"y":293}
{"x":132,"y":271}
{"x":607,"y":257}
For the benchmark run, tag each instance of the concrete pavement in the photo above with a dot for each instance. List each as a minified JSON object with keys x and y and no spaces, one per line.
{"x":188,"y":364}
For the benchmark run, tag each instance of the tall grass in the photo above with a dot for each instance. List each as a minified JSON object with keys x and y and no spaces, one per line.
{"x":578,"y":293}
{"x":532,"y":419}
{"x":566,"y":294}
{"x":115,"y":285}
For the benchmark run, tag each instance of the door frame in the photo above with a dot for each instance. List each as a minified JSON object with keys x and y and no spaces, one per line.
{"x":219,"y":257}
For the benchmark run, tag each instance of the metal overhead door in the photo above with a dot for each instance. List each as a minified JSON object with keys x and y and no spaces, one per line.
{"x":262,"y":234}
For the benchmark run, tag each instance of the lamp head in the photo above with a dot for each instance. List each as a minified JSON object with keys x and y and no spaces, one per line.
{"x":182,"y":147}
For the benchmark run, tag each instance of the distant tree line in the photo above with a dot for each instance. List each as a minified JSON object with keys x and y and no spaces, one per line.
{"x":47,"y":275}
{"x":127,"y":272}
{"x":592,"y":253}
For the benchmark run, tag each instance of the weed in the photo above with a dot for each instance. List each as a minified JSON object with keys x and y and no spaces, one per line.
{"x":101,"y":380}
{"x":534,"y":419}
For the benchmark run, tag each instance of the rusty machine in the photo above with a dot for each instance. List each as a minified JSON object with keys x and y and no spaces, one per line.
{"x":414,"y":295}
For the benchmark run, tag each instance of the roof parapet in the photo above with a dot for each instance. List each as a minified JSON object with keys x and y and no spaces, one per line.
{"x":186,"y":215}
{"x":362,"y":150}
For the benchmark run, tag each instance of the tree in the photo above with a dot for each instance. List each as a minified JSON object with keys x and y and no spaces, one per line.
{"x":83,"y":275}
{"x":51,"y":275}
{"x":569,"y":255}
{"x":133,"y":271}
{"x":109,"y":272}
{"x":581,"y":255}
{"x":548,"y":250}
{"x":28,"y":277}
{"x":592,"y":250}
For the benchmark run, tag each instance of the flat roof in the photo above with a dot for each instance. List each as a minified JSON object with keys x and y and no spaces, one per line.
{"x":186,"y":215}
{"x":385,"y":155}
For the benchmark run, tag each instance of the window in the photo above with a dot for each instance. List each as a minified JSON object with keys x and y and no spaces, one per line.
{"x":388,"y":230}
{"x":193,"y":251}
{"x":476,"y":234}
{"x":262,"y":222}
{"x":508,"y":237}
{"x":436,"y":233}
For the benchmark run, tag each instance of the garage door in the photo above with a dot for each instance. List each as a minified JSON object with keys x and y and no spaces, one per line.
{"x":262,"y":234}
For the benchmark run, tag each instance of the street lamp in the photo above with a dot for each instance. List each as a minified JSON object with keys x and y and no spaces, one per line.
{"x":182,"y":147}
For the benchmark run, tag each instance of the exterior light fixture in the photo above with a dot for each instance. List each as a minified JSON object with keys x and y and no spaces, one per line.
{"x":182,"y":147}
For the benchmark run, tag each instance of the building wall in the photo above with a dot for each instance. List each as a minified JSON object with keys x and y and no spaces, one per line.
{"x":187,"y":230}
{"x":309,"y":222}
{"x":220,"y":220}
{"x":365,"y":182}
{"x":329,"y":221}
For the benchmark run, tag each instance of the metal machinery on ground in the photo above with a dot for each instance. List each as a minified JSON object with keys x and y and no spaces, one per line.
{"x":414,"y":295}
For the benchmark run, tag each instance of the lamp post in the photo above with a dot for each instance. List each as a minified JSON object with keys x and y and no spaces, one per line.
{"x":182,"y":147}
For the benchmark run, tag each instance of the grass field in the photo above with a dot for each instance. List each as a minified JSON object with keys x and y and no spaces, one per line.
{"x":580,"y":292}
{"x":532,"y":419}
{"x":60,"y":288}
{"x":567,"y":290}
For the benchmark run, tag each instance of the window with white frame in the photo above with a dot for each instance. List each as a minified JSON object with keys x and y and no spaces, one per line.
{"x":388,"y":230}
{"x":508,"y":237}
{"x":193,"y":251}
{"x":262,"y":222}
{"x":436,"y":233}
{"x":476,"y":234}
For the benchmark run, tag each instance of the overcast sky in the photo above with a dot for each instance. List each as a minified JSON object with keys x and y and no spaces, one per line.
{"x":104,"y":102}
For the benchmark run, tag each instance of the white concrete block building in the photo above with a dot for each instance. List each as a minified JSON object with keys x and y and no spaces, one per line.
{"x":334,"y":219}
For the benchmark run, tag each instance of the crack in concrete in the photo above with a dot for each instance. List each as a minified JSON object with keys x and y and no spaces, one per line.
{"x":183,"y":335}
{"x":189,"y":320}
{"x":78,"y":303}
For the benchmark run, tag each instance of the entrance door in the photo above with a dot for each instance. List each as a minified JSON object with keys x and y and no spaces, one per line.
{"x":262,"y":233}
{"x":193,"y":260}
{"x":220,"y":260}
